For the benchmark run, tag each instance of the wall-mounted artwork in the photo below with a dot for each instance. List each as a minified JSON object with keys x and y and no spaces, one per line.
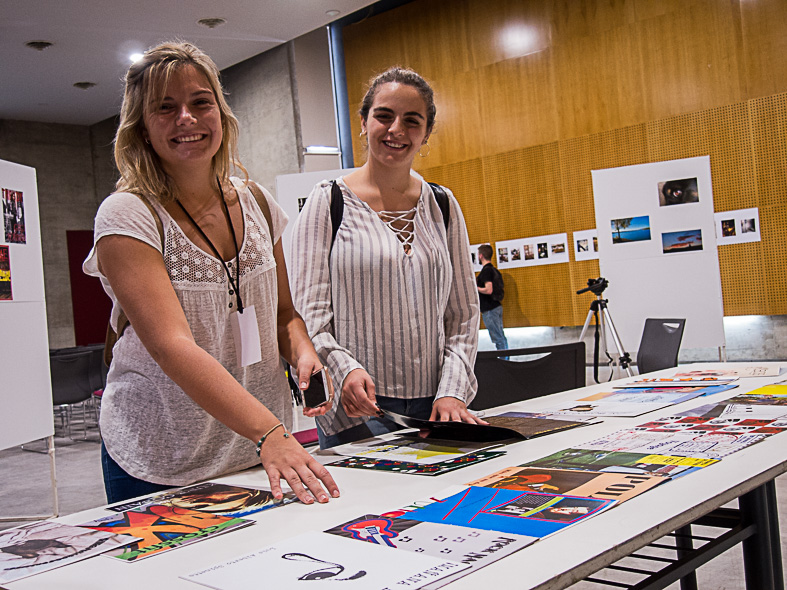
{"x":13,"y":216}
{"x":586,"y":245}
{"x":630,"y":229}
{"x":738,"y":227}
{"x":678,"y":192}
{"x":681,"y":241}
{"x":5,"y":275}
{"x":532,"y":251}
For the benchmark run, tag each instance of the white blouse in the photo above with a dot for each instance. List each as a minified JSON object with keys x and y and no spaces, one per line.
{"x":150,"y":426}
{"x":410,"y":320}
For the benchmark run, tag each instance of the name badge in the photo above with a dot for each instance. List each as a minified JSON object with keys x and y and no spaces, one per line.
{"x":246,"y":335}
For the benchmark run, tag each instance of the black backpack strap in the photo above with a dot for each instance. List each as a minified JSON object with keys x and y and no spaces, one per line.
{"x":442,"y":201}
{"x":337,"y":210}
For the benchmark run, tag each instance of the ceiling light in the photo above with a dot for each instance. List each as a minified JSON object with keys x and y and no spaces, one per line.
{"x":135,"y":57}
{"x":331,"y":13}
{"x":211,"y":23}
{"x":84,"y":85}
{"x":39,"y":45}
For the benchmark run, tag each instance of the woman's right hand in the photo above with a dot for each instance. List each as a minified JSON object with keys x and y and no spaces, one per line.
{"x":284,"y":458}
{"x":358,"y":394}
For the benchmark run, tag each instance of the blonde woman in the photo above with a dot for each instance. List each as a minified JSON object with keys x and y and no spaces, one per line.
{"x":195,"y":389}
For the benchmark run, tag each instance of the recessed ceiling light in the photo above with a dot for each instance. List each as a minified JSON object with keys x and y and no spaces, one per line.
{"x":84,"y":85}
{"x":211,"y":23}
{"x":331,"y":13}
{"x":39,"y":45}
{"x":135,"y":57}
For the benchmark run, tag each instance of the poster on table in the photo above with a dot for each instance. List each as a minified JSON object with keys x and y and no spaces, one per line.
{"x":738,"y":227}
{"x":585,"y":245}
{"x":534,"y":251}
{"x":657,"y":248}
{"x":335,"y":561}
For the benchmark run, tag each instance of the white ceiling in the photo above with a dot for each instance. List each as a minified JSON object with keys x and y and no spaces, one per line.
{"x":93,"y":39}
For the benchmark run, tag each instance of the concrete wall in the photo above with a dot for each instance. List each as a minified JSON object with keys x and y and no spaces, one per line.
{"x":61,"y":155}
{"x":262,"y":95}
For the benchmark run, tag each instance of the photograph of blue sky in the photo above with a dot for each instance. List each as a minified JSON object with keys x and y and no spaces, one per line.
{"x":630,"y":229}
{"x":681,"y":241}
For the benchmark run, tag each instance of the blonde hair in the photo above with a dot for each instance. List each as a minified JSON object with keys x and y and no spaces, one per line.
{"x":146,"y":81}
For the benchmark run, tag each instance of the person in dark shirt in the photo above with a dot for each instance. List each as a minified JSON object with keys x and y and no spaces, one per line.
{"x":491,"y":308}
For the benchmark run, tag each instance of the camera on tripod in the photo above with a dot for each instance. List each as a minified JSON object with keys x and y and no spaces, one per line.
{"x":597,"y":286}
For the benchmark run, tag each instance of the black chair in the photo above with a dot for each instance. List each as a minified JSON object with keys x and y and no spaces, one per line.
{"x":507,"y":376}
{"x":71,"y":385}
{"x":660,"y":344}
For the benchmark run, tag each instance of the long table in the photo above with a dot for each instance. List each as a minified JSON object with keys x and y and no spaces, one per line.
{"x":551,"y":563}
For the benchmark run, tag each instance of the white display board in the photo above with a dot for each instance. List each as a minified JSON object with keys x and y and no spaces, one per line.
{"x":657,"y":248}
{"x":26,"y":391}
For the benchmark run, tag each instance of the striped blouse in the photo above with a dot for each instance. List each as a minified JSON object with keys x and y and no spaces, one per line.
{"x":411,"y":321}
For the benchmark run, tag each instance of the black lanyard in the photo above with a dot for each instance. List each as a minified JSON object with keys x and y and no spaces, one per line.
{"x":235,"y":284}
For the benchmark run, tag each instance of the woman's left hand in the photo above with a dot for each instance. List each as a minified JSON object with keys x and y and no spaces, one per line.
{"x":451,"y":409}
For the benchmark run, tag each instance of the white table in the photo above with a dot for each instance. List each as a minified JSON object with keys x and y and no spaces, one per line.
{"x":551,"y":563}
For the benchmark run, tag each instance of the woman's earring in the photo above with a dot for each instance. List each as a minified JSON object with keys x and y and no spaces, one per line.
{"x":428,"y":151}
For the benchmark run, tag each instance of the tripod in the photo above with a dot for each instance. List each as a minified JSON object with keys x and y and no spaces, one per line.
{"x":603,"y":325}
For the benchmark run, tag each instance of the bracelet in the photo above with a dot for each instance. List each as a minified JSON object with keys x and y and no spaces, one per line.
{"x":264,"y":436}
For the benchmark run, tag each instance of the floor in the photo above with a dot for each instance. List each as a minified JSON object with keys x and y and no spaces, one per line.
{"x":26,"y":491}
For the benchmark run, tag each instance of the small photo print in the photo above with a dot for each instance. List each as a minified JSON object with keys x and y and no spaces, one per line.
{"x":502,"y":254}
{"x":630,"y":229}
{"x":582,"y":245}
{"x":516,"y":254}
{"x":595,"y":243}
{"x":558,"y":248}
{"x":301,"y":203}
{"x":13,"y":216}
{"x":681,"y":241}
{"x":678,"y":192}
{"x":728,"y":227}
{"x":543,"y":251}
{"x":529,"y":252}
{"x":748,"y":226}
{"x":473,"y":258}
{"x":5,"y":275}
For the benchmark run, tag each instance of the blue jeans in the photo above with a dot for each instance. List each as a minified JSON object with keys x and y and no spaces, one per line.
{"x":493,"y":319}
{"x":420,"y":407}
{"x":121,"y":486}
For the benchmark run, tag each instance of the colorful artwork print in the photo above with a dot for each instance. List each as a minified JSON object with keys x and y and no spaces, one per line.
{"x":462,"y":544}
{"x":509,"y":511}
{"x":415,"y":468}
{"x":630,"y":229}
{"x":622,"y":462}
{"x":6,"y":294}
{"x":162,"y":528}
{"x":678,"y":192}
{"x":728,"y":227}
{"x":214,"y":498}
{"x":681,"y":241}
{"x":13,"y":216}
{"x":609,"y":486}
{"x":42,"y":546}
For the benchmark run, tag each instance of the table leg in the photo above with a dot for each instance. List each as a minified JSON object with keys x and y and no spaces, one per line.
{"x":758,"y":550}
{"x":685,"y":546}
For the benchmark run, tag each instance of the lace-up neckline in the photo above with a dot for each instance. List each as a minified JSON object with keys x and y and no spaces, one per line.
{"x":402,"y":223}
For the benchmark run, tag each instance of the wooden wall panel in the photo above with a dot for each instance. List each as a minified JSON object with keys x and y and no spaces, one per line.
{"x":764,"y":45}
{"x":534,"y":95}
